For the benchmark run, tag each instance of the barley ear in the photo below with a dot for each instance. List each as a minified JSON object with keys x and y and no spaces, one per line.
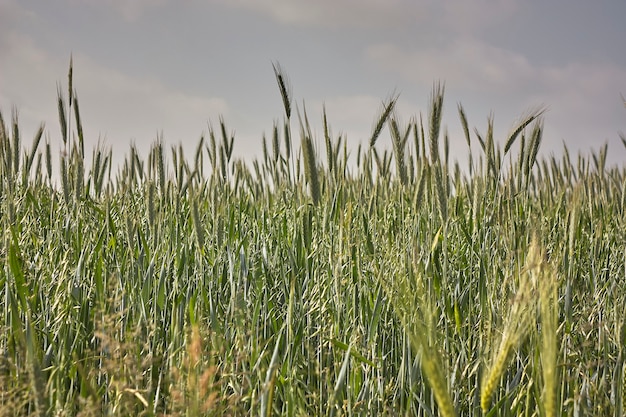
{"x":534,"y":115}
{"x":535,"y":141}
{"x":16,"y":143}
{"x":264,"y":147}
{"x":546,"y":278}
{"x":440,"y":190}
{"x":516,"y":326}
{"x":62,"y":118}
{"x":33,"y":149}
{"x":436,"y":113}
{"x":284,"y":87}
{"x":79,"y":127}
{"x":69,"y":81}
{"x":65,"y":180}
{"x":197,"y":221}
{"x":36,"y":376}
{"x":310,"y":167}
{"x":464,"y":123}
{"x":384,"y":114}
{"x":327,"y":141}
{"x":398,"y":141}
{"x":48,"y":159}
{"x":3,"y":130}
{"x":275,"y":144}
{"x":432,"y":369}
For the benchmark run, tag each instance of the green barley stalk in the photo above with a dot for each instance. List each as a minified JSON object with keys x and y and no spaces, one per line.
{"x":573,"y":232}
{"x":286,"y":95}
{"x":65,"y":182}
{"x":520,"y":161}
{"x":38,"y":178}
{"x":409,"y":303}
{"x":466,"y":133}
{"x":79,"y":126}
{"x":446,"y":147}
{"x":567,"y":164}
{"x":160,"y":164}
{"x":287,"y":138}
{"x":138,"y":165}
{"x":275,"y":144}
{"x":33,"y":149}
{"x":228,"y":143}
{"x":151,"y":204}
{"x":490,"y":146}
{"x":197,"y":160}
{"x":416,"y":143}
{"x":284,"y":87}
{"x":310,"y":167}
{"x":382,"y":118}
{"x":197,"y":222}
{"x":3,"y":130}
{"x":399,"y":143}
{"x":419,"y":190}
{"x":270,"y":378}
{"x":330,"y":158}
{"x":95,"y":169}
{"x":436,"y":113}
{"x":532,"y":116}
{"x":62,"y":118}
{"x":535,"y":141}
{"x":79,"y":173}
{"x":423,"y":138}
{"x":464,"y":124}
{"x":36,"y":376}
{"x":338,"y":146}
{"x":481,"y":141}
{"x":16,"y":144}
{"x":70,"y":88}
{"x":265,"y":153}
{"x":70,"y":97}
{"x":435,"y":375}
{"x":4,"y":148}
{"x":223,"y":163}
{"x":441,"y":194}
{"x":48,"y":159}
{"x":516,"y":326}
{"x":411,"y":170}
{"x":548,"y":298}
{"x":212,"y":149}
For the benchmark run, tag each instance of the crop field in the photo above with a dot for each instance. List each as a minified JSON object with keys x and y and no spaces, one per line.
{"x":314,"y":280}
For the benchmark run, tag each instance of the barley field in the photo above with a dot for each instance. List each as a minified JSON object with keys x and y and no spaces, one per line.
{"x":314,"y":280}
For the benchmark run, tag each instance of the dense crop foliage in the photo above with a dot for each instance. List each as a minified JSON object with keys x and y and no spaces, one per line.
{"x":302,"y":284}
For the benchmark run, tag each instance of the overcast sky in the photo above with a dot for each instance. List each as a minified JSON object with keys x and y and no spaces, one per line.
{"x":148,"y":66}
